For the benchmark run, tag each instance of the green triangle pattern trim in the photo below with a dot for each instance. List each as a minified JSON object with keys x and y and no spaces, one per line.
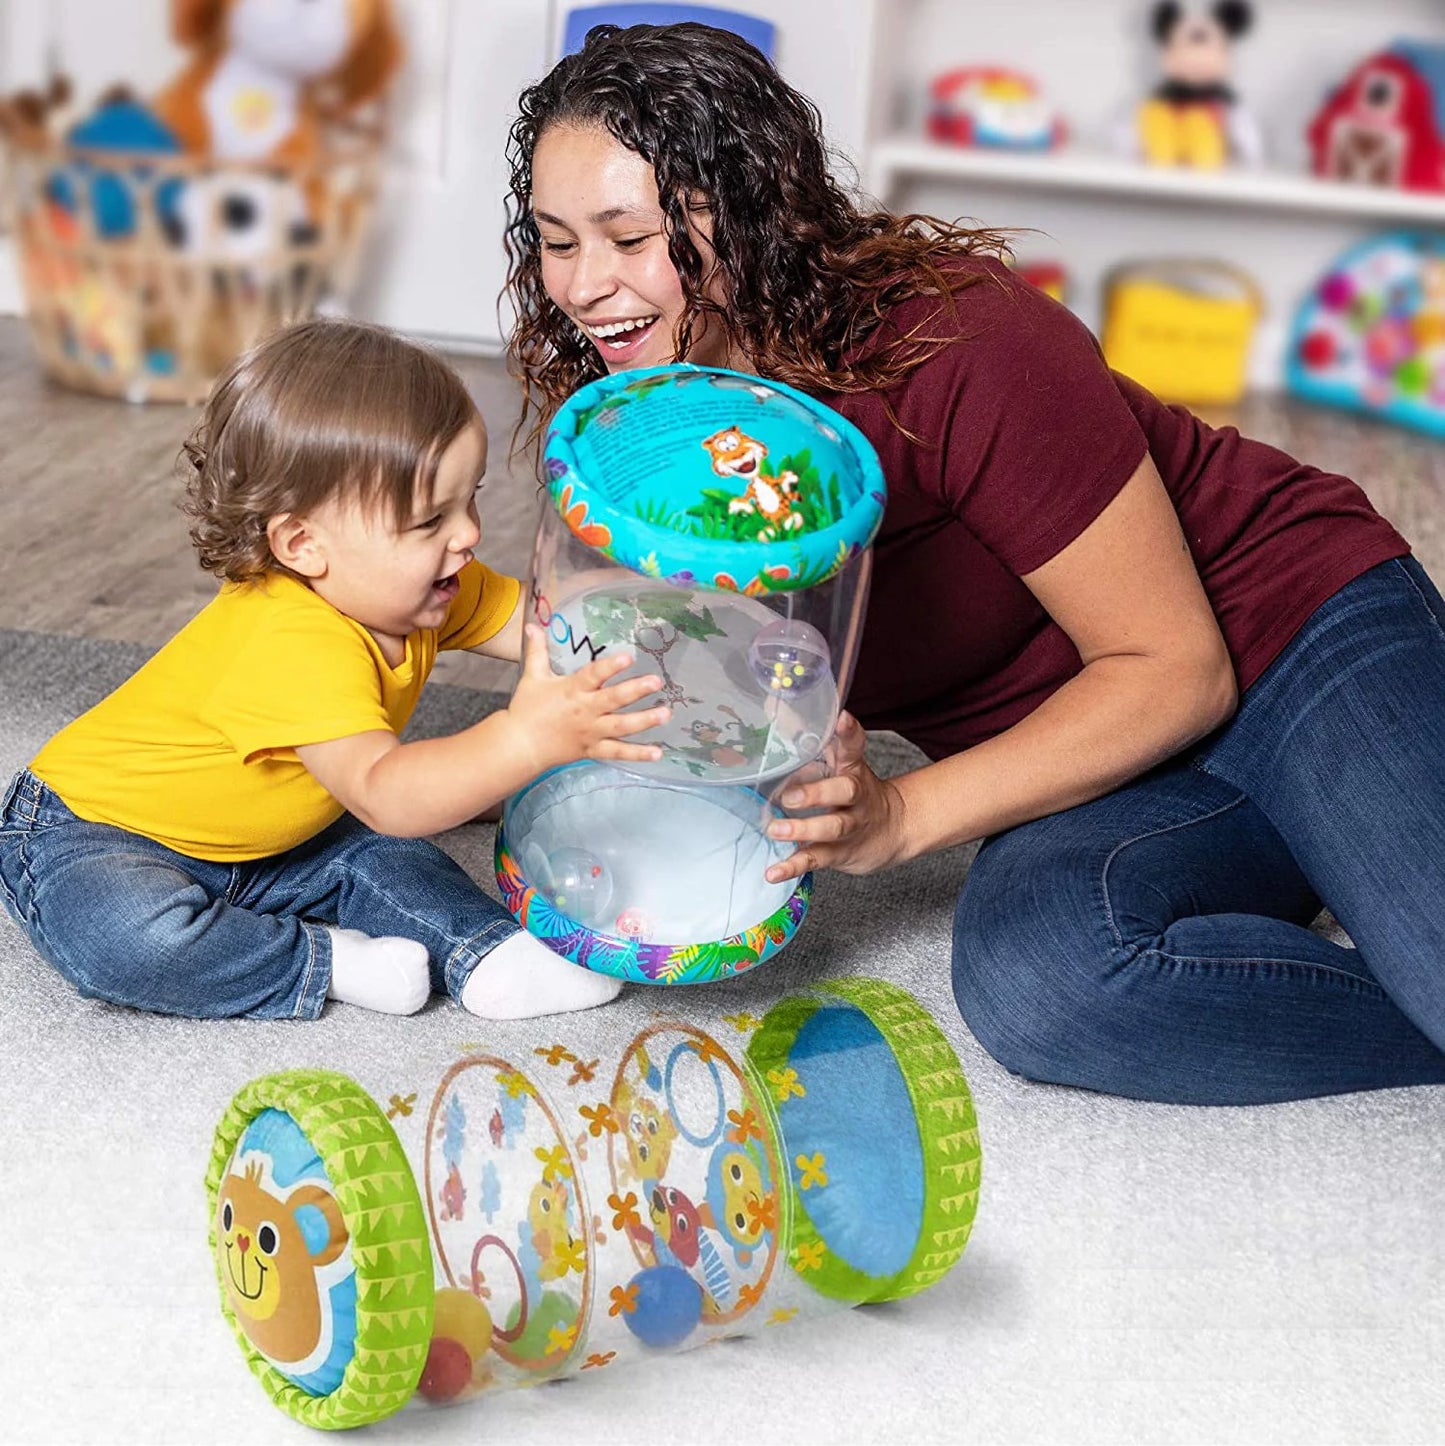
{"x":390,"y":1243}
{"x":947,"y":1132}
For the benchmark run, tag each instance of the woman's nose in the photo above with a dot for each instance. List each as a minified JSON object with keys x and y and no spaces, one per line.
{"x":592,"y":278}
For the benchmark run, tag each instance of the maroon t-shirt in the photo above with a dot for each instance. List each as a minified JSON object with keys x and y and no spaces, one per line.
{"x":1027,"y":438}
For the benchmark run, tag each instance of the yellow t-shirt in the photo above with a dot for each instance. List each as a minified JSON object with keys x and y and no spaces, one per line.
{"x":197,"y":749}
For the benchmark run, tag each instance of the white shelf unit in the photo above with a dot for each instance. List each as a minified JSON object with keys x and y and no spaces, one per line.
{"x":1090,"y":208}
{"x":893,"y":161}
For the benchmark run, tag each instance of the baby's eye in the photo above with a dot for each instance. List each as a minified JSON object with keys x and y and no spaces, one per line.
{"x":431,"y":524}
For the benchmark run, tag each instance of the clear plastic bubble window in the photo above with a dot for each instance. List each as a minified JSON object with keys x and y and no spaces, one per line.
{"x":717,"y":527}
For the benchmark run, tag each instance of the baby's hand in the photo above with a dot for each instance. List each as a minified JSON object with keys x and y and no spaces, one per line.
{"x":562,"y":718}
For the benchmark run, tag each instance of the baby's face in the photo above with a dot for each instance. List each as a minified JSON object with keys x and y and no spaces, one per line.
{"x":392,"y":576}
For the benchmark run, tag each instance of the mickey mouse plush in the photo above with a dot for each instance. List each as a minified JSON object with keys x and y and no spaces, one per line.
{"x":264,"y":69}
{"x":1193,"y":118}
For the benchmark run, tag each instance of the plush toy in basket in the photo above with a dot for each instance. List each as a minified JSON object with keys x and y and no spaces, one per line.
{"x":266,"y":72}
{"x":158,"y":240}
{"x":1370,"y":336}
{"x":511,"y":1216}
{"x":1384,"y":125}
{"x":717,"y":527}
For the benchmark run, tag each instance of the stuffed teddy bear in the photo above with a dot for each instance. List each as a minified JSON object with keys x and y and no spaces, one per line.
{"x":267,"y":72}
{"x":1193,"y":117}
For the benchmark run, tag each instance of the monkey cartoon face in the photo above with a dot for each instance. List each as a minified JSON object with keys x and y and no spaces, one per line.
{"x":648,"y":1132}
{"x":551,"y":1234}
{"x":735,"y":454}
{"x":741,"y":1190}
{"x":270,"y":1248}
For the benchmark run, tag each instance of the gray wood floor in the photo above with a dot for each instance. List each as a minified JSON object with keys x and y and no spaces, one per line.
{"x":92,"y":544}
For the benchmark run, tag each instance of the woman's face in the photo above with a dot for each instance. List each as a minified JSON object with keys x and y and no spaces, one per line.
{"x":604,"y":250}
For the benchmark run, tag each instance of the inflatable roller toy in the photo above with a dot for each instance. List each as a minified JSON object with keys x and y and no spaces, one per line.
{"x":718,"y":528}
{"x":488,"y":1221}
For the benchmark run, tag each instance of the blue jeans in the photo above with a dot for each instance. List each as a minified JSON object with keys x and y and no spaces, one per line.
{"x":1154,"y":943}
{"x":131,"y":921}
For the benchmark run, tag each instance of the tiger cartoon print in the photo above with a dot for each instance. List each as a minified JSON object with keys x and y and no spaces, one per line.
{"x":736,"y":456}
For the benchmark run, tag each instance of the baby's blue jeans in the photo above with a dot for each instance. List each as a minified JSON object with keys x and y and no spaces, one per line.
{"x":1153,"y":943}
{"x":131,"y":921}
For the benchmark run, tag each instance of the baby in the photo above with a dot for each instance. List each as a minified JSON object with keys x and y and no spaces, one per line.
{"x":238,"y":829}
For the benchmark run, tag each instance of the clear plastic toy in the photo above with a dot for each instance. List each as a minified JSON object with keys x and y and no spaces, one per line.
{"x":473,"y":1221}
{"x":717,"y":527}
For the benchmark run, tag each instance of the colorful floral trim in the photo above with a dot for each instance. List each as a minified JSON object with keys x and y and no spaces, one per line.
{"x":635,"y":961}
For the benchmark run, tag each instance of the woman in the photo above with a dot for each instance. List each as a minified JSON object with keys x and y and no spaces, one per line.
{"x":1185,"y":687}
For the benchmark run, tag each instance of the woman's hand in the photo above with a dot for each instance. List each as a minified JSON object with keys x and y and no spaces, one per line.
{"x":863,"y":830}
{"x":559,"y":718}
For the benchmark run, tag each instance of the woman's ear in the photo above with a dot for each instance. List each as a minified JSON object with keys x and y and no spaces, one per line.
{"x":295,"y":545}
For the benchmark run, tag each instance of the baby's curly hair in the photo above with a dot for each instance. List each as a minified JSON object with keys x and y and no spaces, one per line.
{"x":316,"y":411}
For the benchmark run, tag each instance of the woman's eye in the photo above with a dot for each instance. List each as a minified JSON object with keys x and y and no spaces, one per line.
{"x":631,"y":243}
{"x":557,"y":248}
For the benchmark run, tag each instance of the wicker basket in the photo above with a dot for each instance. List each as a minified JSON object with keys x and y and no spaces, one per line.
{"x":145,"y":274}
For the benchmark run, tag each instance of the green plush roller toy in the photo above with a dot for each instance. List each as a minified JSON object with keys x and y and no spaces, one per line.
{"x":502,"y":1221}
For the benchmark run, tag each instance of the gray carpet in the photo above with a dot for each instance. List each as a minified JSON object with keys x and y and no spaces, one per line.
{"x":1137,"y":1273}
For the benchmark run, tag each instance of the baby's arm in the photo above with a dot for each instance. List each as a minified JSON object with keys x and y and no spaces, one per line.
{"x":414,"y":789}
{"x":506,"y":642}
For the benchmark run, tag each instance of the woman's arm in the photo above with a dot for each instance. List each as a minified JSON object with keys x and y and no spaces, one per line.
{"x":1156,"y":677}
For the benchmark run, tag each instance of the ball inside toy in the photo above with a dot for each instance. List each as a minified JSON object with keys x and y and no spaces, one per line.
{"x":447,"y":1371}
{"x":789,"y":656}
{"x":668,"y":1306}
{"x":459,"y":1316}
{"x":635,"y":923}
{"x":581,"y":883}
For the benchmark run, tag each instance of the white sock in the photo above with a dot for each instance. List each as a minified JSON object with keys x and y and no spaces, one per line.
{"x":389,"y":975}
{"x":522,"y":978}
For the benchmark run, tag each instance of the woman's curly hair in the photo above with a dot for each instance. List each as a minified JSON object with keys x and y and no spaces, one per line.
{"x":315,"y":411}
{"x":807,"y":275}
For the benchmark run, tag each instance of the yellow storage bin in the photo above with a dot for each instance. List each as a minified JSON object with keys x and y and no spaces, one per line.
{"x":1182,"y":328}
